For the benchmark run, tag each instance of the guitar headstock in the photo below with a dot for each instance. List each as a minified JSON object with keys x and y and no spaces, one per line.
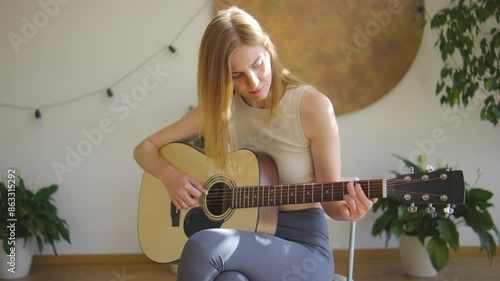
{"x":439,"y":187}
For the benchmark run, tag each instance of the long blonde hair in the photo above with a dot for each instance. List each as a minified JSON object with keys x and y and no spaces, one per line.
{"x":228,"y":30}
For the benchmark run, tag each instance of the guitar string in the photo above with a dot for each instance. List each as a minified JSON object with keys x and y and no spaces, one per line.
{"x":301,"y":191}
{"x":313,"y":187}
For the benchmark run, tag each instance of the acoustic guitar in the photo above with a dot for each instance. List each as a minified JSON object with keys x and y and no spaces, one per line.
{"x":246,"y":197}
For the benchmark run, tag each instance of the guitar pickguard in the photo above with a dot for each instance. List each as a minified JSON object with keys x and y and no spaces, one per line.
{"x":196,"y":220}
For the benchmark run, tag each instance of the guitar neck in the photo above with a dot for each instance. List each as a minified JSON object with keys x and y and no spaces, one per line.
{"x":285,"y":194}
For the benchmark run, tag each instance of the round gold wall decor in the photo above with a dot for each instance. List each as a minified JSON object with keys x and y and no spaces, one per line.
{"x":354,"y":51}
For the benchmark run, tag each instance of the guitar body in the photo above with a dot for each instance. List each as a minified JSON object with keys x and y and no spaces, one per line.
{"x":164,"y":230}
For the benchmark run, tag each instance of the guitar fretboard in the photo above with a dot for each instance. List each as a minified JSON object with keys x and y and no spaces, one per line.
{"x":284,"y":194}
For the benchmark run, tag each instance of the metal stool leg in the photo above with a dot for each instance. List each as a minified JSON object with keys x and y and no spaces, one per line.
{"x":350,"y":263}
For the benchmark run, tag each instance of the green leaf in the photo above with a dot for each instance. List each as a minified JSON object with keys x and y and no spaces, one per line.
{"x":415,"y":223}
{"x":438,"y":20}
{"x":39,"y":241}
{"x":382,"y":223}
{"x":6,"y":246}
{"x":445,"y":72}
{"x":479,"y":193}
{"x":487,"y":243}
{"x":448,"y":232}
{"x":439,"y":87}
{"x":45,"y":193}
{"x":397,"y":227}
{"x":409,"y":163}
{"x":438,"y":252}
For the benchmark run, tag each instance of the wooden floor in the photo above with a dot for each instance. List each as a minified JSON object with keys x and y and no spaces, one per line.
{"x":368,"y":266}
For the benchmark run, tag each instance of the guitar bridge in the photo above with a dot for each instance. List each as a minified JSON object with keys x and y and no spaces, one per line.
{"x":175,"y":215}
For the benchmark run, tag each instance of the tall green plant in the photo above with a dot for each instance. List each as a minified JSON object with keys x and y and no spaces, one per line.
{"x":395,"y":220}
{"x":35,"y":214}
{"x":469,"y":42}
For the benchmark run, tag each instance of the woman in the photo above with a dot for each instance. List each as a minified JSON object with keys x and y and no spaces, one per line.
{"x":248,"y":99}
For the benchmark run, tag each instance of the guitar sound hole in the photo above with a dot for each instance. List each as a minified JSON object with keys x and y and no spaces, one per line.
{"x":218,"y":199}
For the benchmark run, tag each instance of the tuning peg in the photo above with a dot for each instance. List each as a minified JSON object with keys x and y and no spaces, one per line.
{"x":448,"y":168}
{"x":429,"y":168}
{"x":412,"y":208}
{"x":430,"y":209}
{"x":449,"y":210}
{"x":412,"y":170}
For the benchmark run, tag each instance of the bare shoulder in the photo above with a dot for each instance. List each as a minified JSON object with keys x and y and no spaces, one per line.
{"x":186,"y":128}
{"x":315,"y":103}
{"x":316,"y":112}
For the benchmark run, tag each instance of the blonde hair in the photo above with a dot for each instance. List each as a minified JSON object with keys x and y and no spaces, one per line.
{"x":228,"y":30}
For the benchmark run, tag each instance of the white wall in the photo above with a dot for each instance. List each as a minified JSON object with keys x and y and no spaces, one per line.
{"x":84,"y":46}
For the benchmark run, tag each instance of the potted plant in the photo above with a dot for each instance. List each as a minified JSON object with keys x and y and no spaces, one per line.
{"x":437,"y":231}
{"x":26,"y":216}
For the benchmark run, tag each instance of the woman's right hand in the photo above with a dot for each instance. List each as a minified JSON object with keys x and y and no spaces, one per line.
{"x":184,"y":190}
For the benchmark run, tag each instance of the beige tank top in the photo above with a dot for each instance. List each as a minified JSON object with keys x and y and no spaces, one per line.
{"x":282,"y":138}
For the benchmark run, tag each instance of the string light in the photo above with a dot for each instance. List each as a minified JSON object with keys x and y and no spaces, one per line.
{"x":108,"y":90}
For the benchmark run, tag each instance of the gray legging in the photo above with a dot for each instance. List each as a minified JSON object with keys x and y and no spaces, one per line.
{"x":300,"y":250}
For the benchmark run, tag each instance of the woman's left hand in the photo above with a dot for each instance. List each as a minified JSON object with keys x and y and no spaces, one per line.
{"x":356,"y":203}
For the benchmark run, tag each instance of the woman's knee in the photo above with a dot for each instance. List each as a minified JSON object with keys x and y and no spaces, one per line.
{"x":231,"y":276}
{"x":210,"y":243}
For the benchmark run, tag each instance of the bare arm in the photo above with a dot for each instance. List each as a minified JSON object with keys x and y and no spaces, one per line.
{"x":182,"y":188}
{"x":320,"y":126}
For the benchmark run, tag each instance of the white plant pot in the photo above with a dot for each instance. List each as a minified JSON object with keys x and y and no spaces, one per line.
{"x":17,"y":265}
{"x":414,"y":257}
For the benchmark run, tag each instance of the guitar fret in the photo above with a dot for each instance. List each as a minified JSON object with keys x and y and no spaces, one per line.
{"x":235,"y":199}
{"x":288,"y":193}
{"x":321,"y":192}
{"x":258,"y":195}
{"x":268,"y":196}
{"x":253,"y":196}
{"x":369,"y":195}
{"x":242,"y":198}
{"x":303,"y":193}
{"x":263,"y":197}
{"x":249,"y":190}
{"x":239,"y":197}
{"x":233,"y":190}
{"x":281,"y":195}
{"x":245,"y":200}
{"x":312,"y":193}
